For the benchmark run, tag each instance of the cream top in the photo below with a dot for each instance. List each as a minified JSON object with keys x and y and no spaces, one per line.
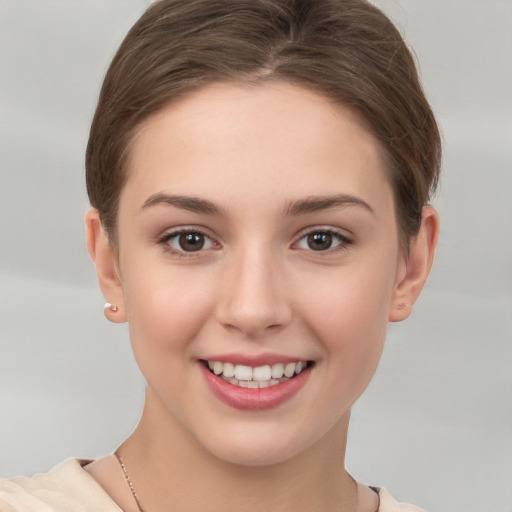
{"x":68,"y":487}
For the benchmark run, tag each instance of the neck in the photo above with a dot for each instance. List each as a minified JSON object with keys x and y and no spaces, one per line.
{"x":167,"y":465}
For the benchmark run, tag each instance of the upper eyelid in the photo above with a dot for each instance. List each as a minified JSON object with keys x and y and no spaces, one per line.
{"x":186,"y":229}
{"x":323,"y":229}
{"x":174,"y":232}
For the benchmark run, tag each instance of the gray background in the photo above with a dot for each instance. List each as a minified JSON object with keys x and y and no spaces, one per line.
{"x":435,"y":425}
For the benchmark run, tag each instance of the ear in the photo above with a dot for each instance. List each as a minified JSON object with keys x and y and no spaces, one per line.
{"x":416,"y":266}
{"x":107,"y":266}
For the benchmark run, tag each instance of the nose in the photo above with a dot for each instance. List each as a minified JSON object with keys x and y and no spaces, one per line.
{"x":253,"y":298}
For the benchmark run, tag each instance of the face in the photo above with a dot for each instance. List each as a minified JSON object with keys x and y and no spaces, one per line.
{"x":257,"y":235}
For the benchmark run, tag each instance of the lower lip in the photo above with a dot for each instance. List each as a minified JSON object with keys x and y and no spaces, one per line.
{"x":254,"y":399}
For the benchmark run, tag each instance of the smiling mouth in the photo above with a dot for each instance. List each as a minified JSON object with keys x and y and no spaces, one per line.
{"x":256,"y":376}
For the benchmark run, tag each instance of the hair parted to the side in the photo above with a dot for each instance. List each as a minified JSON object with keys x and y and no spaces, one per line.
{"x":346,"y":50}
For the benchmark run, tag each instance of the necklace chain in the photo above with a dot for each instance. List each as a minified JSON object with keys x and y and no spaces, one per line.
{"x":128,"y":481}
{"x":135,"y":497}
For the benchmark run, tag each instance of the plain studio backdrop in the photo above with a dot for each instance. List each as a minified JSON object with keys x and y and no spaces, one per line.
{"x":435,"y":425}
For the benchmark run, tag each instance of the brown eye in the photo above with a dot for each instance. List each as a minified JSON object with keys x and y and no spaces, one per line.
{"x":319,"y":241}
{"x":323,"y":241}
{"x":187,"y":241}
{"x":191,"y":242}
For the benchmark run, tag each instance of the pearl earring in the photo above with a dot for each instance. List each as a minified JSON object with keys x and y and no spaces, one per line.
{"x":112,"y":307}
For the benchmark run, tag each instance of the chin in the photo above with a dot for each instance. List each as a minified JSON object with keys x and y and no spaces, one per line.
{"x":254,"y":456}
{"x":259,"y":445}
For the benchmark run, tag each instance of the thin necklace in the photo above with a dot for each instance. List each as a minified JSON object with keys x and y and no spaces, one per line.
{"x":128,"y":481}
{"x":134,"y":494}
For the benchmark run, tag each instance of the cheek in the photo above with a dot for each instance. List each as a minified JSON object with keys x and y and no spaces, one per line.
{"x":166,"y":310}
{"x":352,"y":324}
{"x":358,"y":299}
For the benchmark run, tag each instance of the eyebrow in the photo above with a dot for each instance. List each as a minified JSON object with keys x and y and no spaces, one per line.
{"x":299,"y":207}
{"x":193,"y":204}
{"x":318,"y":203}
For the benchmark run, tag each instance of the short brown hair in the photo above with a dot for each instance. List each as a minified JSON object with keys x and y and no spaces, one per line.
{"x":347,"y":50}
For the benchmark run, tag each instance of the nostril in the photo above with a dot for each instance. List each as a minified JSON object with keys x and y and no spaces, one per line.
{"x":253,"y":302}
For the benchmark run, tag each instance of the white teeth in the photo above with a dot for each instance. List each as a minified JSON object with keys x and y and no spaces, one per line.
{"x":277,"y":370}
{"x":289,"y":370}
{"x":229,"y":370}
{"x":259,"y":376}
{"x":261,"y":373}
{"x":254,"y":384}
{"x":217,"y":367}
{"x":243,"y":372}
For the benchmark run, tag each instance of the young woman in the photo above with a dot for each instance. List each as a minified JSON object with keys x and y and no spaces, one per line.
{"x":260,"y":173}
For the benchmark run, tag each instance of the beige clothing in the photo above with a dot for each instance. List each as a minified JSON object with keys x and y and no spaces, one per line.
{"x":69,"y":488}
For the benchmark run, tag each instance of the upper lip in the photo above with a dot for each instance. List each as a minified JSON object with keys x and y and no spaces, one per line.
{"x":254,"y":360}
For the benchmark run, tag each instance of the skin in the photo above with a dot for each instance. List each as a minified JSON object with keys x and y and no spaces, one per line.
{"x":256,"y":154}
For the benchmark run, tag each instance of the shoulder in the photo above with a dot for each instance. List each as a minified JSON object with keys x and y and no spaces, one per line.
{"x":66,"y":487}
{"x":389,"y":504}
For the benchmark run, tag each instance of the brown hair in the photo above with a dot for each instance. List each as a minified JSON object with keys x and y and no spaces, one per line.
{"x":346,"y":50}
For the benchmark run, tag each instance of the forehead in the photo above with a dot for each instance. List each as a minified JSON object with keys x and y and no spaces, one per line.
{"x":262,"y":141}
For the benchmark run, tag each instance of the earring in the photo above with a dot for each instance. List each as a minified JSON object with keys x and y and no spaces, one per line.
{"x":403,"y":306}
{"x":112,"y":307}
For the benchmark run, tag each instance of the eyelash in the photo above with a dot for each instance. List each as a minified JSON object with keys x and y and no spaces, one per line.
{"x":167,"y":237}
{"x":342,"y":241}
